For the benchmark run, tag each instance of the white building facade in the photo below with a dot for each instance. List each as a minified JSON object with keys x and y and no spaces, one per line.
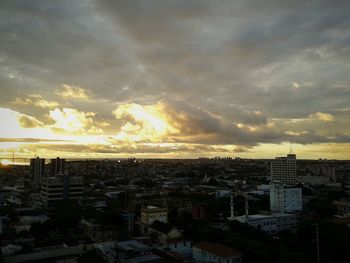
{"x":270,"y":223}
{"x":285,"y":199}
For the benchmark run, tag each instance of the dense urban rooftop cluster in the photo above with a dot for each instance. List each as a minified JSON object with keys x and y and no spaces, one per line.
{"x":162,"y":210}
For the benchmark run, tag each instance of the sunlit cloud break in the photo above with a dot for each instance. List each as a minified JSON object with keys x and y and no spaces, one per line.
{"x":73,"y":92}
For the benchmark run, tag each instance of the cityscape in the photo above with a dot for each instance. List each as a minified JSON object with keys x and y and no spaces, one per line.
{"x":181,"y":131}
{"x":176,"y":210}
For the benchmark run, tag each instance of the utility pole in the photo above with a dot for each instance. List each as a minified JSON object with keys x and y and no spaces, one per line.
{"x":246,"y":207}
{"x":317,"y":243}
{"x":232,"y":207}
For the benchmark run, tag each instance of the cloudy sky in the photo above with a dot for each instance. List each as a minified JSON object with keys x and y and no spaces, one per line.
{"x":176,"y":78}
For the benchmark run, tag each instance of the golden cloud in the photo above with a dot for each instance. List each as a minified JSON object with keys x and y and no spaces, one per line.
{"x":36,"y":100}
{"x":29,"y":122}
{"x":19,"y":125}
{"x":73,"y":92}
{"x":73,"y":121}
{"x":167,"y":121}
{"x":296,"y":85}
{"x":141,"y":122}
{"x":322,"y":116}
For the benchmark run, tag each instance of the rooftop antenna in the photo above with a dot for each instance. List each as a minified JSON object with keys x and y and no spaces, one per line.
{"x":130,"y":208}
{"x":232,"y":207}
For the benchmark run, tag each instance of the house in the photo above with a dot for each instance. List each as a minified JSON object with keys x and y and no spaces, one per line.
{"x":97,"y":230}
{"x":128,"y":251}
{"x":211,"y":252}
{"x":164,"y":231}
{"x":343,"y":206}
{"x":181,"y":246}
{"x":171,"y":256}
{"x":151,"y":214}
{"x":271,"y":223}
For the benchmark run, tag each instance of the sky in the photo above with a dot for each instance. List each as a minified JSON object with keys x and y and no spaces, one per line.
{"x":175,"y":79}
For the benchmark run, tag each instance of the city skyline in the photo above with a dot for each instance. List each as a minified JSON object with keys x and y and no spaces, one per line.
{"x":175,"y":79}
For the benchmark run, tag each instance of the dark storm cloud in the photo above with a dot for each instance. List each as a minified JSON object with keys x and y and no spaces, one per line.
{"x":240,"y":53}
{"x":239,"y":62}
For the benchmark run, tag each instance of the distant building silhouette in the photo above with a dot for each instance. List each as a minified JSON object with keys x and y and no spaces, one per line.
{"x":57,"y":166}
{"x":37,"y":166}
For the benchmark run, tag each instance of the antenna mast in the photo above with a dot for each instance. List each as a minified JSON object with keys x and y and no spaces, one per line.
{"x":291,"y":149}
{"x":232,"y":207}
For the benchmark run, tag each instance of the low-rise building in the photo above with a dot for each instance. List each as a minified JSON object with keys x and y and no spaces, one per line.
{"x":98,"y":231}
{"x":164,"y":232}
{"x":128,"y":251}
{"x":314,"y":180}
{"x":7,"y":193}
{"x":343,"y":206}
{"x":150,"y":214}
{"x":270,"y":223}
{"x":222,"y":193}
{"x":114,"y":194}
{"x":25,"y":222}
{"x":181,"y":246}
{"x":62,"y":254}
{"x":210,"y":252}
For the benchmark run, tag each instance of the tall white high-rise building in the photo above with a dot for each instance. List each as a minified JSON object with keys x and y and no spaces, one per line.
{"x":285,"y":199}
{"x":284,"y":169}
